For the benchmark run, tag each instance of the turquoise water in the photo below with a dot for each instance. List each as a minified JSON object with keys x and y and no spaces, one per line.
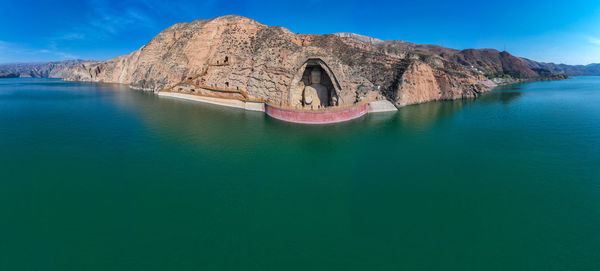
{"x":101,"y":177}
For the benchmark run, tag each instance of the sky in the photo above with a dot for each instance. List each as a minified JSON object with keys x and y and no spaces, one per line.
{"x":548,"y":31}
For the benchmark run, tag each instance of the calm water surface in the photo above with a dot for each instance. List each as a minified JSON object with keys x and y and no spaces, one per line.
{"x":101,"y":177}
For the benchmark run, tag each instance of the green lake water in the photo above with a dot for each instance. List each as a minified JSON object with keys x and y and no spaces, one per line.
{"x":101,"y":177}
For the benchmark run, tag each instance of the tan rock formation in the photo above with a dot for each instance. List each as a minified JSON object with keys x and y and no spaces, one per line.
{"x":235,"y":52}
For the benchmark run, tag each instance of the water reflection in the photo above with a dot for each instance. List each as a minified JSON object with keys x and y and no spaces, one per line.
{"x":210,"y":126}
{"x":502,"y":97}
{"x":421,"y":117}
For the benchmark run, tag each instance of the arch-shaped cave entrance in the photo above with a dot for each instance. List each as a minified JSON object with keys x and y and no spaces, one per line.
{"x":314,"y":85}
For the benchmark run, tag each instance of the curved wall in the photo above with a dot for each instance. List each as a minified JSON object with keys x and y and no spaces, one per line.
{"x":316,"y":117}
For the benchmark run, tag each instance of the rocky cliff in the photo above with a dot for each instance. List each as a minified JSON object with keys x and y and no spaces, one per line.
{"x":268,"y":62}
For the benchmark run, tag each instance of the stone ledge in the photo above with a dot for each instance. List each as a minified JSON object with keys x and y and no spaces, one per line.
{"x":382,"y":106}
{"x":248,"y":105}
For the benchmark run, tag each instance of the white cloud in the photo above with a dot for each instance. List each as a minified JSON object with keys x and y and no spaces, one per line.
{"x":16,"y":52}
{"x":104,"y":20}
{"x":54,"y":54}
{"x":110,"y":20}
{"x":66,"y":56}
{"x":593,"y":40}
{"x":72,"y":36}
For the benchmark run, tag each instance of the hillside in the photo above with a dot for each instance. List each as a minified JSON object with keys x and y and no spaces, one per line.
{"x":268,"y":62}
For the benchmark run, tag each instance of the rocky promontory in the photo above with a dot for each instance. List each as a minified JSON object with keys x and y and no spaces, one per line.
{"x":268,"y":62}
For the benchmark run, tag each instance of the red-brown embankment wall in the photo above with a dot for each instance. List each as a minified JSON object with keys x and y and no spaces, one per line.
{"x":317,"y":116}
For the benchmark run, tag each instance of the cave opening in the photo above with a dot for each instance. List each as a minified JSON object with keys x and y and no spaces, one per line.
{"x":318,"y":89}
{"x":314,"y":86}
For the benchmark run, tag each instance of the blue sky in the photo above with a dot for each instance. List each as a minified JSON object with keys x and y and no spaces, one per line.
{"x":551,"y":30}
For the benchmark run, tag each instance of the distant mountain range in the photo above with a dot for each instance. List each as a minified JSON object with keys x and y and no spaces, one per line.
{"x":491,"y":61}
{"x":56,"y":69}
{"x":571,"y":70}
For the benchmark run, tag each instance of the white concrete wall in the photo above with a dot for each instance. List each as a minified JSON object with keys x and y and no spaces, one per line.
{"x":381,"y":106}
{"x":253,"y":106}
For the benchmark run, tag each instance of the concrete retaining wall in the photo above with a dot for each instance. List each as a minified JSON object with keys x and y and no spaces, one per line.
{"x":331,"y":115}
{"x":381,"y":106}
{"x":248,"y":105}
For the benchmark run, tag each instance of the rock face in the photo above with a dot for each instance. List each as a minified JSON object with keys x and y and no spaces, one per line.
{"x":269,"y":62}
{"x":494,"y":62}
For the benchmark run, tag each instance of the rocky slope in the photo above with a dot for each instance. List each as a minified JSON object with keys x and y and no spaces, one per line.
{"x":267,"y":61}
{"x":49,"y":69}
